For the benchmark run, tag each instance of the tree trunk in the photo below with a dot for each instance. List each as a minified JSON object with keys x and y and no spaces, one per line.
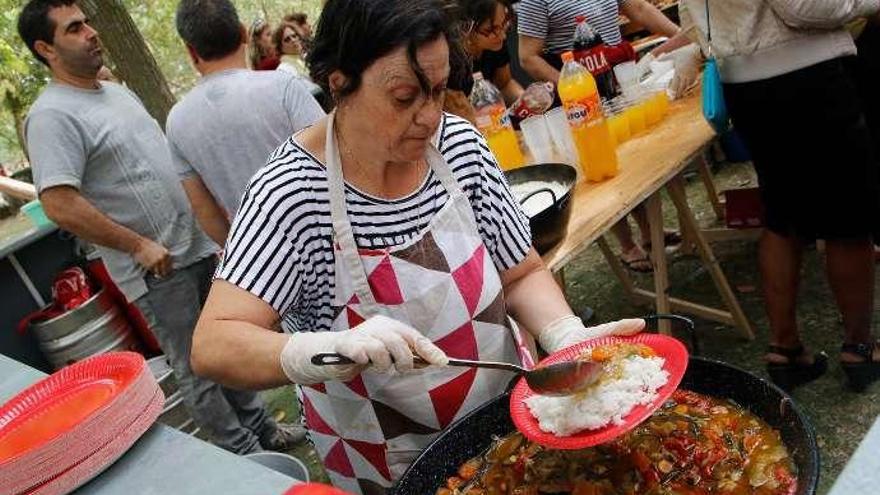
{"x":16,"y":108}
{"x":133,"y":61}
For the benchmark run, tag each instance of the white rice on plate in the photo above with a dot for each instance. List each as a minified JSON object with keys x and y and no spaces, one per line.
{"x":609,"y":401}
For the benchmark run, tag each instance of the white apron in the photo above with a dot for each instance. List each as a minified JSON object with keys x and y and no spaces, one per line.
{"x":444,"y":284}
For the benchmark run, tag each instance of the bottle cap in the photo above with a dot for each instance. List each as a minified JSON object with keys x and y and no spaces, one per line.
{"x":567,"y":56}
{"x":580,"y":18}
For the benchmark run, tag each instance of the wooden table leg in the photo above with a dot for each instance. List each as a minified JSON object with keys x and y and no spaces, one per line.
{"x":709,"y":183}
{"x":616,"y":268}
{"x":679,"y":198}
{"x":658,"y":257}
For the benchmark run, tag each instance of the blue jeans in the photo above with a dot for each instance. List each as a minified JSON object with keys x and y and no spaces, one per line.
{"x":235,"y":419}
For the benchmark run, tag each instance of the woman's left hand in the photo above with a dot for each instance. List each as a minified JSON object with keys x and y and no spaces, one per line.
{"x":570,"y":330}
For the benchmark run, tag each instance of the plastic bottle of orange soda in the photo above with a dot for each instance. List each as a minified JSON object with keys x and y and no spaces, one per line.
{"x":494,"y":123}
{"x":583,"y":110}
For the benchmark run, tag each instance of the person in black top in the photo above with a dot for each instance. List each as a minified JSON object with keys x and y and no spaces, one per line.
{"x":485,"y":24}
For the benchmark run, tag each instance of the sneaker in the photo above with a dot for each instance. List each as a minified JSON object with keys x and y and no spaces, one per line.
{"x":284,"y":437}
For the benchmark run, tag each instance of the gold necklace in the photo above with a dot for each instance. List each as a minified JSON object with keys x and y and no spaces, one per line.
{"x":421,"y":165}
{"x":356,"y":171}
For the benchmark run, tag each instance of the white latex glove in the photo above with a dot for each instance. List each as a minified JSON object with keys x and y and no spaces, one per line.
{"x":686,"y":61}
{"x":380,"y":342}
{"x":570,"y":330}
{"x":643,"y":66}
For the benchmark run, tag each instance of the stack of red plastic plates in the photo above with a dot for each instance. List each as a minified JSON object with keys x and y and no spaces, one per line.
{"x":66,"y":429}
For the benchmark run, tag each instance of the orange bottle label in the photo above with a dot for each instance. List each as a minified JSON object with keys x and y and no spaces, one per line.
{"x":584,"y":112}
{"x":493,"y":120}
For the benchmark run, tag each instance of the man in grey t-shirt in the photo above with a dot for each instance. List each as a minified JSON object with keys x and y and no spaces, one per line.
{"x":103,"y":172}
{"x":223,"y":130}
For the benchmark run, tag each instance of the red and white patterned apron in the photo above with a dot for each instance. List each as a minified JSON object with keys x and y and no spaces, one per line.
{"x":444,"y":284}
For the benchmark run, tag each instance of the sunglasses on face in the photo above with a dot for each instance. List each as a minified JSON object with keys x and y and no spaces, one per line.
{"x":290,"y":38}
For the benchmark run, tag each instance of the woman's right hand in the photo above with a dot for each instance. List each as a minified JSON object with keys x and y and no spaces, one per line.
{"x":380,"y":342}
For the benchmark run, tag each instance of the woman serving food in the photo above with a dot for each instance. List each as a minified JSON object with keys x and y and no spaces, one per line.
{"x":383,"y":231}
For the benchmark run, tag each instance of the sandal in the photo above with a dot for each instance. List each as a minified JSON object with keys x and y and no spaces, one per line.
{"x":642,"y":264}
{"x":792,"y":374}
{"x":670,"y":239}
{"x":860,"y":375}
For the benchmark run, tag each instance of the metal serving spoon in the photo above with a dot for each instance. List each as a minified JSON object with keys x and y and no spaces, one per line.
{"x":566,"y":378}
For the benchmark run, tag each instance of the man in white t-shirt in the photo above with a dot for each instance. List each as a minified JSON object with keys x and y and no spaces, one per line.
{"x":223,"y":130}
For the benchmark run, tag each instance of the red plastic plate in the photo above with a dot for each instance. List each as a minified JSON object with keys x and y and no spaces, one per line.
{"x":97,"y":462}
{"x":676,"y":360}
{"x":57,"y":404}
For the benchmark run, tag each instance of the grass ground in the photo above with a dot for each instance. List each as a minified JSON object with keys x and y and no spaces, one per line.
{"x":841,"y":418}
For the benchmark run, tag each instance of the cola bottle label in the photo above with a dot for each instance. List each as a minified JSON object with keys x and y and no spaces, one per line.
{"x":596,"y":60}
{"x":535,"y":100}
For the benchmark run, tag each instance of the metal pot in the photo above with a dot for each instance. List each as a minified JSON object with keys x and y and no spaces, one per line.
{"x":548,"y":225}
{"x":472,"y":434}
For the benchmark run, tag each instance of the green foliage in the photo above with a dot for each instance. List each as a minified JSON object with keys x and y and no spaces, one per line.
{"x":22,"y":77}
{"x":155,"y":19}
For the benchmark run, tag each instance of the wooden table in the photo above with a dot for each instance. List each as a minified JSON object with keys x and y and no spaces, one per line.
{"x":649,"y":163}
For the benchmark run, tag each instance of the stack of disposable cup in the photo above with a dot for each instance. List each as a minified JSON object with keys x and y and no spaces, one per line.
{"x":67,"y":428}
{"x":537,"y":135}
{"x":627,"y":76}
{"x":563,"y":141}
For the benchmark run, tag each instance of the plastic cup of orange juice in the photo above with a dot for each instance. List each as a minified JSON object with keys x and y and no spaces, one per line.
{"x":653,"y":112}
{"x":617,"y":122}
{"x":635,"y":115}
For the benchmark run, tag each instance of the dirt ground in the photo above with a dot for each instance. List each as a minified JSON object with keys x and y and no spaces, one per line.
{"x":841,"y":418}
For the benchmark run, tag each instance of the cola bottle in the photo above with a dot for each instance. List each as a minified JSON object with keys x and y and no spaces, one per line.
{"x":591,"y":52}
{"x":535,"y":100}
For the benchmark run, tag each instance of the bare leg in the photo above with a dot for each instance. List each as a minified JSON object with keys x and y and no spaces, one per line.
{"x":850,"y":266}
{"x":640,"y":214}
{"x":780,"y":260}
{"x":632,"y":254}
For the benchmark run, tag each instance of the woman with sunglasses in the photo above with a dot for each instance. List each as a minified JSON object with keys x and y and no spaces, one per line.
{"x":289,"y":45}
{"x":485,"y":24}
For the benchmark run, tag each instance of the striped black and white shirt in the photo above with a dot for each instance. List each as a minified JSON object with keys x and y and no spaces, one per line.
{"x":553,"y":21}
{"x":280,"y":246}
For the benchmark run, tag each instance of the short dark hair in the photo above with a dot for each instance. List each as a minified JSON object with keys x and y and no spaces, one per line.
{"x":210,"y":27}
{"x":297,"y":18}
{"x":479,"y":11}
{"x":352,"y":34}
{"x":34,"y":23}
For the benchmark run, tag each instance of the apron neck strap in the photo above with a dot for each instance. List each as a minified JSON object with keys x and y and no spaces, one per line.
{"x":342,"y":232}
{"x":343,"y":235}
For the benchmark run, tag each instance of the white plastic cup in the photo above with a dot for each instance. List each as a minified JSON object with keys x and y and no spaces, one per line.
{"x":627,"y":74}
{"x":563,"y":141}
{"x":537,"y":136}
